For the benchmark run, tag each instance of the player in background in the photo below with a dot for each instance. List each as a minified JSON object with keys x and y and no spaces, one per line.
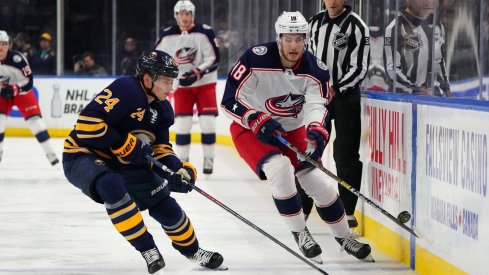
{"x":104,"y":156}
{"x":341,"y":40}
{"x":16,"y":85}
{"x":280,"y":88}
{"x":194,"y":48}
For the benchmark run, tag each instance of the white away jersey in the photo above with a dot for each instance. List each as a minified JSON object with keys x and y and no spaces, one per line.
{"x":294,"y":97}
{"x":194,"y":48}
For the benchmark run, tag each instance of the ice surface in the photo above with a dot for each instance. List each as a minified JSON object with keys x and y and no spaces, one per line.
{"x":47,"y":226}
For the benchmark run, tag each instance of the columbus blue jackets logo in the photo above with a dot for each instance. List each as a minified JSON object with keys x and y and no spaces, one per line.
{"x":185,"y":55}
{"x":286,"y":105}
{"x":413,"y":41}
{"x":340,"y":40}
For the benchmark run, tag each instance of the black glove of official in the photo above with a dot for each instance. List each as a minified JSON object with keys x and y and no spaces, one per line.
{"x":9,"y":91}
{"x":317,"y":138}
{"x":265,"y":127}
{"x":133,"y":151}
{"x":183,"y":179}
{"x":189,"y":78}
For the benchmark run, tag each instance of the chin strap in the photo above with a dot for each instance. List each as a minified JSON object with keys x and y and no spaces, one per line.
{"x":149,"y":91}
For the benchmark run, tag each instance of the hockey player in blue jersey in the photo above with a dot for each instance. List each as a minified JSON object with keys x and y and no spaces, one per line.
{"x":279,"y":88}
{"x":104,"y":156}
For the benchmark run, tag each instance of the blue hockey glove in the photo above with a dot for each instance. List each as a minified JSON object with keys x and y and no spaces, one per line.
{"x":133,"y":151}
{"x":9,"y":91}
{"x":317,"y":138}
{"x":265,"y":127}
{"x":183,"y":179}
{"x":189,"y":78}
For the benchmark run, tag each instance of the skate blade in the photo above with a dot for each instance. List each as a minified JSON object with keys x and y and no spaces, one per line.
{"x":368,"y":259}
{"x":219,"y":268}
{"x":317,"y":259}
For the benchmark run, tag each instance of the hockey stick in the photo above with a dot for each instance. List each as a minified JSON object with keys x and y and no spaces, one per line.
{"x":344,"y":184}
{"x":202,"y":192}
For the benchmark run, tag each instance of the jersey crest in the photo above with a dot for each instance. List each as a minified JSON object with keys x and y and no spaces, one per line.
{"x":340,"y":40}
{"x":286,"y":105}
{"x":185,"y":55}
{"x":260,"y":50}
{"x":413,"y":41}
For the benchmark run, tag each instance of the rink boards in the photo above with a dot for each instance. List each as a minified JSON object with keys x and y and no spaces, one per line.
{"x":426,"y":156}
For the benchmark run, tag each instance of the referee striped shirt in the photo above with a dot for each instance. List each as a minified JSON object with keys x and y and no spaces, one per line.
{"x":343,"y":43}
{"x":408,"y":61}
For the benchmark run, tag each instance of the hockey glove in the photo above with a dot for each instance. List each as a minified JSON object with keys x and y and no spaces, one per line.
{"x":183,"y":179}
{"x":133,"y":151}
{"x":265,"y":127}
{"x":317,"y":137}
{"x":9,"y":91}
{"x":190,"y":77}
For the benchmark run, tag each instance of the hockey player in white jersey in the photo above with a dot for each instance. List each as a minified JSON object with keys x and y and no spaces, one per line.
{"x":279,"y":88}
{"x":194,"y":48}
{"x":16,"y":89}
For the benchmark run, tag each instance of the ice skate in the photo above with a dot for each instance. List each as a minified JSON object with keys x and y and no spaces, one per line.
{"x":154,"y":260}
{"x":208,"y":165}
{"x":208,"y":259}
{"x":308,"y":245}
{"x":353,"y":247}
{"x":53,"y":159}
{"x":352,"y":221}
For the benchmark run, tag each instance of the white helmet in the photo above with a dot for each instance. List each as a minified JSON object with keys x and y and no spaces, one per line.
{"x":184,"y":5}
{"x":291,"y":22}
{"x":4,"y":36}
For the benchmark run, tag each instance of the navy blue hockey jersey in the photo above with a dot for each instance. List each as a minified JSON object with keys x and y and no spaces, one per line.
{"x":119,"y":109}
{"x":15,"y":69}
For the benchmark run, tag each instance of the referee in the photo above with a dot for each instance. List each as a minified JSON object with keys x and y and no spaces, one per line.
{"x":341,"y":40}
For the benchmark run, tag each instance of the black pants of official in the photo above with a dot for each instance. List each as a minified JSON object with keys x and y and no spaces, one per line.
{"x":346,"y":112}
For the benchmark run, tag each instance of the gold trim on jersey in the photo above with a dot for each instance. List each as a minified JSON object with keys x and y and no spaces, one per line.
{"x":90,"y":127}
{"x":162,"y":150}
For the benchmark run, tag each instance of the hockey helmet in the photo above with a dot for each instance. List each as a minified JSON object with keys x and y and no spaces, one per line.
{"x":291,"y":22}
{"x":156,"y":63}
{"x":4,"y":36}
{"x":184,"y":5}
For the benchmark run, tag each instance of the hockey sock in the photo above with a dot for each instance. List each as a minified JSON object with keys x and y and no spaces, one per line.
{"x":334,"y":215}
{"x":176,"y":225}
{"x":182,"y":127}
{"x":123,"y":212}
{"x":3,"y":122}
{"x":280,"y":175}
{"x":38,"y":128}
{"x":208,"y":128}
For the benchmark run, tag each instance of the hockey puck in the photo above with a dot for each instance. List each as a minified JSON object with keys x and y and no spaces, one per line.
{"x":404,"y":217}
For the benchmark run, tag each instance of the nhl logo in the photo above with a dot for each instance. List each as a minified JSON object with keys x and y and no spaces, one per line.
{"x":260,"y":50}
{"x":413,"y":41}
{"x":340,"y":41}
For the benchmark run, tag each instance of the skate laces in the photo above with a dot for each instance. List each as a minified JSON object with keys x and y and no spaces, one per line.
{"x":151,"y":255}
{"x":202,"y":256}
{"x":350,"y":243}
{"x":305,"y":239}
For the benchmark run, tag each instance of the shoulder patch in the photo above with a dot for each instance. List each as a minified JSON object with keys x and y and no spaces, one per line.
{"x":17,"y":58}
{"x":322,"y":65}
{"x":205,"y":26}
{"x":260,"y":50}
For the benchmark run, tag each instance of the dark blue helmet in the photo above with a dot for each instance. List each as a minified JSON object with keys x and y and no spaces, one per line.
{"x":156,"y":63}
